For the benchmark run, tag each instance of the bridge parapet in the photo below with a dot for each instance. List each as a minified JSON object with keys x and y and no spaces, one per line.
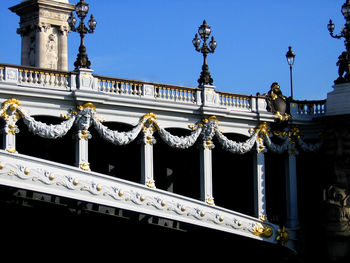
{"x":198,"y":98}
{"x":308,"y":109}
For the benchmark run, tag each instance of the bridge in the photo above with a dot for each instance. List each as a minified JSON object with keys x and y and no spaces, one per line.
{"x":182,"y":154}
{"x":128,"y":165}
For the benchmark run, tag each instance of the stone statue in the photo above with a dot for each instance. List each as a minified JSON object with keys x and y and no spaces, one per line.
{"x":277,"y":103}
{"x":344,"y":67}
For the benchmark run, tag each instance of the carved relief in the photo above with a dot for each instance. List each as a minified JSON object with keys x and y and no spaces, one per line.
{"x":51,"y":52}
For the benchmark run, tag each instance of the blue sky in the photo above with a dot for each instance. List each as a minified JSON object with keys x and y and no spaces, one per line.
{"x":151,"y":40}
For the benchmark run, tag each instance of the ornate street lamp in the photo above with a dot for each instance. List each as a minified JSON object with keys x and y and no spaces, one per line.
{"x":204,"y":31}
{"x":82,"y":8}
{"x":344,"y":58}
{"x":290,"y":59}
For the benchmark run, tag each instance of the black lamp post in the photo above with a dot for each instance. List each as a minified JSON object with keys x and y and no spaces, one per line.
{"x":204,"y":31}
{"x":290,"y":59}
{"x":344,"y":58}
{"x":82,"y":8}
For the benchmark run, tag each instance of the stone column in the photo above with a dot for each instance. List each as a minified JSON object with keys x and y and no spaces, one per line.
{"x":206,"y":183}
{"x":291,"y":191}
{"x":40,"y":36}
{"x":259,"y":186}
{"x":83,"y":123}
{"x":63,"y":49}
{"x":10,"y":115}
{"x":147,"y":173}
{"x":82,"y":149}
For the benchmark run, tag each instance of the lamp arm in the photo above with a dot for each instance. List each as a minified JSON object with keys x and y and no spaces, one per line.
{"x":336,"y":36}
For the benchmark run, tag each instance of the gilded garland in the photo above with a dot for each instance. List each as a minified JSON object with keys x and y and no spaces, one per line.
{"x":85,"y":116}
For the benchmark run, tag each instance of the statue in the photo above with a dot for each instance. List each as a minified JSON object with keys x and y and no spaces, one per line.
{"x":344,"y":67}
{"x":277,"y":103}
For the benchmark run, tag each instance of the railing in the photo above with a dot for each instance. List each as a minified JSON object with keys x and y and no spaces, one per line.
{"x":2,"y":72}
{"x":37,"y":77}
{"x":44,"y":78}
{"x":309,"y":108}
{"x":150,"y":89}
{"x":119,"y":86}
{"x":235,"y":100}
{"x":34,"y":76}
{"x":176,"y":93}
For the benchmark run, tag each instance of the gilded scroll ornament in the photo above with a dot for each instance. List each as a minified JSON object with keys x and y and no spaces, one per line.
{"x":283,"y":236}
{"x":262,"y":230}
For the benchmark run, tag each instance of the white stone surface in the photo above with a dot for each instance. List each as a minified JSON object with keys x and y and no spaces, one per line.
{"x":338,"y":101}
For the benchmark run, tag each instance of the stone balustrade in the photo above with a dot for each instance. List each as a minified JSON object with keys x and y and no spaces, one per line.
{"x":308,"y":109}
{"x":207,"y":96}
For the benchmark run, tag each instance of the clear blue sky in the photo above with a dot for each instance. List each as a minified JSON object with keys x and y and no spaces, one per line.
{"x":152,"y":40}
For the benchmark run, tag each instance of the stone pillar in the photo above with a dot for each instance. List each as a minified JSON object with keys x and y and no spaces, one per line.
{"x":206,"y":184}
{"x":259,"y":186}
{"x":41,"y":25}
{"x":63,"y":48}
{"x":147,"y":173}
{"x":84,"y":120}
{"x":82,"y":149}
{"x":209,"y":96}
{"x":40,"y":39}
{"x":291,"y":191}
{"x":10,"y":115}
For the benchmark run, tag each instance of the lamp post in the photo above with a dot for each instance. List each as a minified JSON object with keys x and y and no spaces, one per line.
{"x":344,"y":59}
{"x":290,"y":59}
{"x":82,"y":8}
{"x":204,"y":31}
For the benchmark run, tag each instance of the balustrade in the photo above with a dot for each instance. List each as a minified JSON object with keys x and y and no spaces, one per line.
{"x":119,"y":86}
{"x":173,"y":93}
{"x":310,"y":108}
{"x":36,"y":77}
{"x":43,"y":78}
{"x":234,"y":100}
{"x":2,"y":73}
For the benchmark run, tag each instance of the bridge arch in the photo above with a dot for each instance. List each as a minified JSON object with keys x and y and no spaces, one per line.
{"x":61,"y":150}
{"x":233,"y":176}
{"x":177,"y":170}
{"x":118,"y":161}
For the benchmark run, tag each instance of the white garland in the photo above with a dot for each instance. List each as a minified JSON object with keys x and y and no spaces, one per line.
{"x":115,"y":137}
{"x":48,"y":131}
{"x":182,"y":142}
{"x":275,"y":147}
{"x":309,"y":147}
{"x":236,"y":147}
{"x":208,"y":129}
